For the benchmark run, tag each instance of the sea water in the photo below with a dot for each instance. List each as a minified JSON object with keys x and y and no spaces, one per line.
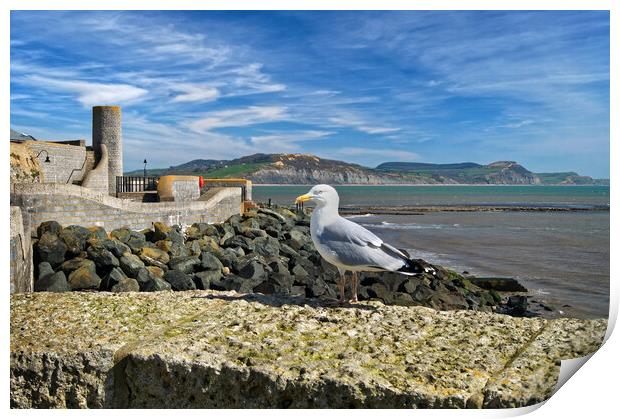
{"x":561,"y":257}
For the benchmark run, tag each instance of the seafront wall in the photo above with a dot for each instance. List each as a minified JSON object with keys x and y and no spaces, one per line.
{"x":71,"y":204}
{"x":21,"y":253}
{"x":209,"y":349}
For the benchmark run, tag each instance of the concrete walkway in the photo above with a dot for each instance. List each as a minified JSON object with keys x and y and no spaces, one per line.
{"x":221,"y":349}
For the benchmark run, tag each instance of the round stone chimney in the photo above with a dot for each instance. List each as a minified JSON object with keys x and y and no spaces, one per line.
{"x":107,"y":130}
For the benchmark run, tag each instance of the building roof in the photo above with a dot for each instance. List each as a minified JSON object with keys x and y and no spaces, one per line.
{"x":20,"y":136}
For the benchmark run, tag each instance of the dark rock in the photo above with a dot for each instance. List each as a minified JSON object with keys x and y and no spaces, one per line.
{"x":154,"y":270}
{"x":240,"y":241}
{"x":75,"y":263}
{"x":298,"y":239}
{"x":498,"y":284}
{"x":112,"y":278}
{"x":178,"y":250}
{"x":187,"y":264}
{"x":175,"y":236}
{"x":517,"y":304}
{"x":84,"y":278}
{"x":155,"y":284}
{"x":154,"y":256}
{"x":299,"y":272}
{"x":101,"y":256}
{"x":98,"y":233}
{"x":422,"y":294}
{"x":252,"y":269}
{"x":121,"y":234}
{"x":227,"y":257}
{"x":235,"y":283}
{"x":267,"y":246}
{"x":160,"y":232}
{"x":179,"y":281}
{"x":274,"y":232}
{"x":273,"y":214}
{"x":75,"y":238}
{"x":192,"y":233}
{"x":136,"y":242}
{"x":131,"y":264}
{"x":226,"y":232}
{"x":50,"y":248}
{"x":208,"y":244}
{"x":448,"y":301}
{"x":49,"y":227}
{"x":193,"y":248}
{"x":45,"y":269}
{"x":317,"y":289}
{"x":252,"y":233}
{"x":204,"y":279}
{"x":402,"y":298}
{"x":380,"y":291}
{"x":116,"y":247}
{"x":56,"y":282}
{"x":210,"y":262}
{"x":126,"y":285}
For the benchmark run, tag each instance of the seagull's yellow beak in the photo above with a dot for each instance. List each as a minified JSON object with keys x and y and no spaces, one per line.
{"x":303,"y":198}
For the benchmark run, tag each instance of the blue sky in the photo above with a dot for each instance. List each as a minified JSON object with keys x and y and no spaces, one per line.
{"x":365,"y":87}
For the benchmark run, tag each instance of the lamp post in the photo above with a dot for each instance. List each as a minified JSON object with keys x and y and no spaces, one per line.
{"x":144,"y":167}
{"x":47,"y":156}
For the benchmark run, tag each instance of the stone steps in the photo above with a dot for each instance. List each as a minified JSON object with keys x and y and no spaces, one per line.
{"x":222,"y":349}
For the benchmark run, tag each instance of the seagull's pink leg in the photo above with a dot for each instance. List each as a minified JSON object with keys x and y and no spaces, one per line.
{"x":354,"y":281}
{"x":341,"y":283}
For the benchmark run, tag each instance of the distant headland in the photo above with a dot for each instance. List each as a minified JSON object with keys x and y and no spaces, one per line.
{"x":310,"y":169}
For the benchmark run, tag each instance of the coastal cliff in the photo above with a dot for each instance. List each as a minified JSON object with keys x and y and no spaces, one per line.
{"x":310,"y":169}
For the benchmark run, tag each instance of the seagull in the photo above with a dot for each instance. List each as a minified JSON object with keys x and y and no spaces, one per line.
{"x":349,"y":246}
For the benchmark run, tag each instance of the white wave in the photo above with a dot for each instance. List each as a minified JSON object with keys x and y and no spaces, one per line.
{"x":393,"y":226}
{"x":359,"y":216}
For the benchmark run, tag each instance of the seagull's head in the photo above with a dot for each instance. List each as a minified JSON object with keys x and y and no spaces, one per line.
{"x":321,"y":195}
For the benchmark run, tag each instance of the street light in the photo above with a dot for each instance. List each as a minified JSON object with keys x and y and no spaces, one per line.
{"x":144,"y":167}
{"x":47,"y":156}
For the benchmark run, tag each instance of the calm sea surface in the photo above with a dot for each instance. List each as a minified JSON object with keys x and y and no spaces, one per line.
{"x":561,"y":257}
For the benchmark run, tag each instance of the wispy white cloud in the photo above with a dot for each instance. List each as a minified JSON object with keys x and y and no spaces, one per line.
{"x":289,"y":141}
{"x":238,"y":117}
{"x":359,"y":124}
{"x":89,"y":93}
{"x":195,"y":93}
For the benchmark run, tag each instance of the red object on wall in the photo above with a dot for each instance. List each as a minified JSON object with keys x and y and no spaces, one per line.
{"x":201,"y":182}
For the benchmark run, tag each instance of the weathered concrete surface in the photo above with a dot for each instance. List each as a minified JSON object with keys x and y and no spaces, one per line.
{"x":222,"y":349}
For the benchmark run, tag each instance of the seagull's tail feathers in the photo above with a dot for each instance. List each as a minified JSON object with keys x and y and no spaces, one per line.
{"x":410,"y":266}
{"x":415,"y":267}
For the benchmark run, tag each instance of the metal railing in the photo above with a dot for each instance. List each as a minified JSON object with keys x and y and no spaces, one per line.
{"x":135,"y":184}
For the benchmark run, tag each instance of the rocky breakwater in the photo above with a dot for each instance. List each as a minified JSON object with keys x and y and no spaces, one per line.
{"x":264,"y":251}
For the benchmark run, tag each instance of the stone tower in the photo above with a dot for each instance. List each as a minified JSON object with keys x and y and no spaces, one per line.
{"x":107,"y":130}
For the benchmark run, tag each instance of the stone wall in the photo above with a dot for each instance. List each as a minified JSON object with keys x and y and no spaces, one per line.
{"x":68,"y":163}
{"x":209,"y":349}
{"x":244,"y":184}
{"x":178,"y":188}
{"x":97,"y":179}
{"x":21,"y":253}
{"x":71,"y":204}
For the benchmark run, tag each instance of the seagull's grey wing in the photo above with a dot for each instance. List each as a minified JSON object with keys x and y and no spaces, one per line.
{"x":354,"y":245}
